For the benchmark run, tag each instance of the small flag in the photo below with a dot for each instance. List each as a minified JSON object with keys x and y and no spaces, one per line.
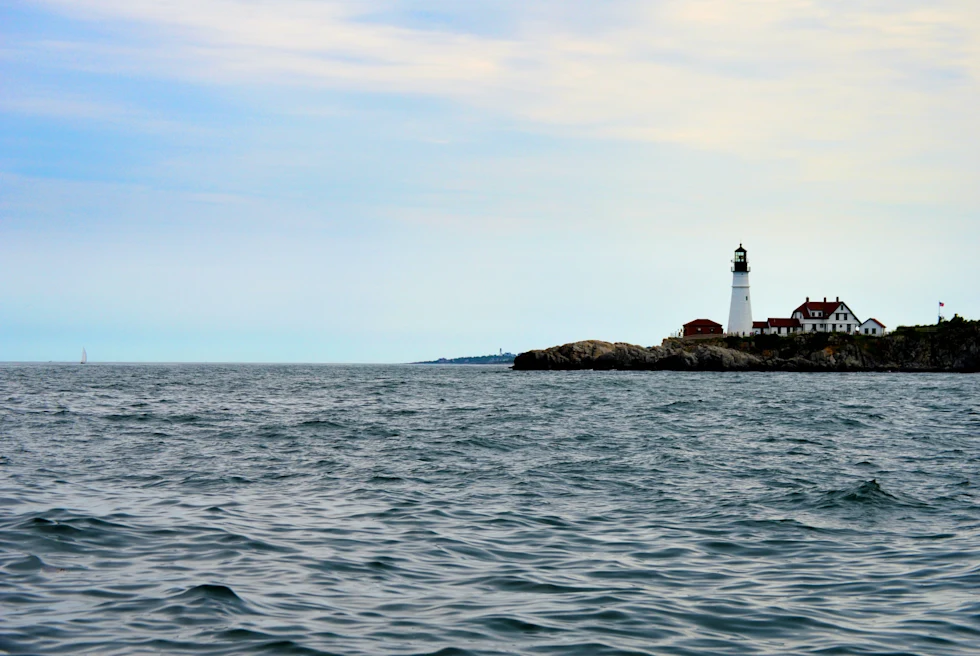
{"x":941,"y":304}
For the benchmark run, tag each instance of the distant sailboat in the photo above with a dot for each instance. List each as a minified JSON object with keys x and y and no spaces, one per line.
{"x":84,"y":356}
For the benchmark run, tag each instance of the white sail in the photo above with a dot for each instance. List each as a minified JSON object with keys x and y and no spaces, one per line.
{"x":84,"y":356}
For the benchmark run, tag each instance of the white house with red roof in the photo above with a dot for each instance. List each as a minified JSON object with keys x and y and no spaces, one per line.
{"x":826,"y":316}
{"x":819,"y":317}
{"x":872,"y":327}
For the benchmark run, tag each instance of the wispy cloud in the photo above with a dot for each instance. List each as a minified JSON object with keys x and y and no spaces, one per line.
{"x":867,"y":92}
{"x":708,"y":72}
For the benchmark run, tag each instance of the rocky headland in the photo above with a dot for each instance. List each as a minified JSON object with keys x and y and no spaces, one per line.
{"x":950,"y":346}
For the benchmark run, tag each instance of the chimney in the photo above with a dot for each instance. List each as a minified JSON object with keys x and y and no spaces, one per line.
{"x":807,"y":299}
{"x":824,"y":299}
{"x":838,"y":299}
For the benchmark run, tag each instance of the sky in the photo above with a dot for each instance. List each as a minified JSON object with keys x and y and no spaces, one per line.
{"x":380,"y":181}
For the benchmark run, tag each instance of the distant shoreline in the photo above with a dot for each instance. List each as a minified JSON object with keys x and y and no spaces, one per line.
{"x":502,"y":358}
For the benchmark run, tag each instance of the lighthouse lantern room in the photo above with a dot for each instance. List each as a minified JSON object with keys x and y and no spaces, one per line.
{"x":740,"y":313}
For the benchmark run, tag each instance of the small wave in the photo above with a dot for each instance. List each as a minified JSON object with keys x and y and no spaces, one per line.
{"x":211,"y":593}
{"x":291,"y":648}
{"x":49,"y":526}
{"x":28,"y":563}
{"x":447,"y":651}
{"x":320,"y":423}
{"x":199,"y":480}
{"x":513,"y":625}
{"x":868,"y":493}
{"x":517,"y":584}
{"x":379,"y":478}
{"x":139,"y":417}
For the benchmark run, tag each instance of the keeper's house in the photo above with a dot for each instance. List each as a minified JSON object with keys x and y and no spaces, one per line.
{"x":702,"y":328}
{"x":819,"y":317}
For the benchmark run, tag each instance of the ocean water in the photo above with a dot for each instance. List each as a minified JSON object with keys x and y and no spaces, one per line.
{"x":226,"y":509}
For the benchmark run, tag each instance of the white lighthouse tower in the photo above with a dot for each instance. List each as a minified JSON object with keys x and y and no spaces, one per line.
{"x":740,"y":314}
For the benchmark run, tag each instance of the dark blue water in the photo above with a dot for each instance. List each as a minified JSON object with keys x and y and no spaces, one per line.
{"x":207,"y":509}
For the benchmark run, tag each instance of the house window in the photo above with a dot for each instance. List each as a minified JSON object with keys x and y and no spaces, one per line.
{"x":874,"y":331}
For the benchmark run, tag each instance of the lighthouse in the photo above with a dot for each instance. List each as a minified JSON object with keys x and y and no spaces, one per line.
{"x":740,"y":314}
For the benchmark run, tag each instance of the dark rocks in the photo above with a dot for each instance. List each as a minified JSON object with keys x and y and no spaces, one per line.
{"x":591,"y":354}
{"x":594,"y":354}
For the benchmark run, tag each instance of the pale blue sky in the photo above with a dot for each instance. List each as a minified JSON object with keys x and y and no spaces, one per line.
{"x":380,"y":181}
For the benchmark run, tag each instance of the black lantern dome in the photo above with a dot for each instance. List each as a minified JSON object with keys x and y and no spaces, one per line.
{"x":741,"y":260}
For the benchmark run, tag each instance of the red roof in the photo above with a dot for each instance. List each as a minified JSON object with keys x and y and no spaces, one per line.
{"x":827,"y":308}
{"x":876,"y":321}
{"x":702,"y":323}
{"x":784,"y":323}
{"x":760,"y":324}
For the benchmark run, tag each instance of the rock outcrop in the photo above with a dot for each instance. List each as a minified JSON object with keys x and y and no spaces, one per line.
{"x":952,"y":346}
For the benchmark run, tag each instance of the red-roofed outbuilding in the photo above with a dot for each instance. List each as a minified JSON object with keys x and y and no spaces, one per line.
{"x":702,"y":328}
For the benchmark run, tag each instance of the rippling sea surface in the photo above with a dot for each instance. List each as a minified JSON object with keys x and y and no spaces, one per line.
{"x":246,"y":509}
